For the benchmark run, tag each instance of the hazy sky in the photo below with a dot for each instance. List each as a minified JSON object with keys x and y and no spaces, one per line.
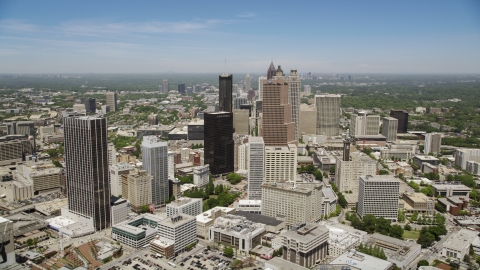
{"x":197,"y":36}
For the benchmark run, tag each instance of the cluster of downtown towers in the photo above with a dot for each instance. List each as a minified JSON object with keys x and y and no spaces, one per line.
{"x":86,"y":144}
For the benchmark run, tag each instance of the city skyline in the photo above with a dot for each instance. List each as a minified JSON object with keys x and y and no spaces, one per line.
{"x":150,"y":37}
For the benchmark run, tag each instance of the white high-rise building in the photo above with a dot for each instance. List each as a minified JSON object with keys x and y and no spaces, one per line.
{"x":363,"y":124}
{"x":155,"y":162}
{"x":184,"y":205}
{"x":116,"y":172}
{"x":248,"y":83}
{"x":112,"y":101}
{"x":112,"y":154}
{"x":294,"y":86}
{"x":389,"y":128}
{"x":171,"y":165}
{"x":201,"y":175}
{"x":378,"y":195}
{"x":464,"y":155}
{"x":242,"y":157}
{"x":328,"y":114}
{"x":260,"y":87}
{"x":256,"y":163}
{"x":347,"y":173}
{"x":280,"y":163}
{"x":433,"y":142}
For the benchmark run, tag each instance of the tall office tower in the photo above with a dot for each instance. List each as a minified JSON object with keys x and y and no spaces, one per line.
{"x":389,"y":128}
{"x":433,"y":142}
{"x":248,"y":83}
{"x":165,"y":86}
{"x":307,"y":120}
{"x":242,"y":157}
{"x":241,"y":122}
{"x":328,"y":114}
{"x":86,"y":164}
{"x":378,"y":195}
{"x":256,"y":163}
{"x":219,"y":152}
{"x":260,"y":87}
{"x":225,"y":92}
{"x":153,"y":119}
{"x":277,"y":126}
{"x":7,"y":252}
{"x":112,"y":154}
{"x":90,"y":105}
{"x":140,"y":191}
{"x":347,"y":172}
{"x":294,"y":86}
{"x":116,"y":172}
{"x":155,"y":162}
{"x":402,"y":117}
{"x":112,"y":101}
{"x":363,"y":124}
{"x":271,"y":71}
{"x":181,"y":89}
{"x":373,"y":125}
{"x":171,"y":165}
{"x":280,"y":163}
{"x":25,"y":128}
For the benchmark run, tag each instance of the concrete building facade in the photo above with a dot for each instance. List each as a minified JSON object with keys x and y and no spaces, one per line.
{"x":256,"y":167}
{"x":155,"y":162}
{"x":378,"y":195}
{"x":328,"y":114}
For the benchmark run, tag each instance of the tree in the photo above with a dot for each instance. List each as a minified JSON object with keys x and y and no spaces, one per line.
{"x":369,"y":221}
{"x":145,"y":208}
{"x":408,"y":227}
{"x":228,"y":251}
{"x":440,"y":208}
{"x":401,"y":215}
{"x":414,"y":216}
{"x":234,"y":178}
{"x":383,"y":226}
{"x":383,"y":172}
{"x":396,"y":232}
{"x":423,"y":263}
{"x":29,"y":242}
{"x":332,"y":170}
{"x":341,"y":200}
{"x":426,"y":239}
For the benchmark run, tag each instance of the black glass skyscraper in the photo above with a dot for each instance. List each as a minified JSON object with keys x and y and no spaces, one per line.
{"x":219,"y":142}
{"x":90,"y":105}
{"x":225,"y":92}
{"x":402,"y":117}
{"x":181,"y":89}
{"x":86,"y":166}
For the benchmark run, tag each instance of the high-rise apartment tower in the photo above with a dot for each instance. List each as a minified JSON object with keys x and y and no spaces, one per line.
{"x":155,"y":162}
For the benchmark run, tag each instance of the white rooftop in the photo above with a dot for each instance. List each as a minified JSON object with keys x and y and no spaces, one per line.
{"x":59,"y":222}
{"x":362,"y":261}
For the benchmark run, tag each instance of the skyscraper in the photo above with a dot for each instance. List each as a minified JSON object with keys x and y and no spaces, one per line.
{"x":218,"y":151}
{"x":294,"y":86}
{"x":363,"y":124}
{"x":433,"y":142}
{"x":155,"y":162}
{"x":389,"y":128}
{"x":86,"y":164}
{"x":402,"y":117}
{"x":256,"y":162}
{"x":90,"y":105}
{"x":165,"y":86}
{"x":112,"y":101}
{"x":277,"y":126}
{"x":248,"y":83}
{"x":225,"y":92}
{"x":181,"y":89}
{"x":260,"y":87}
{"x":378,"y":195}
{"x":271,"y":71}
{"x":328,"y":114}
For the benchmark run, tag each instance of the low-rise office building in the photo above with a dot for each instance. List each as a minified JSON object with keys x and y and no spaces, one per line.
{"x":237,"y":231}
{"x":419,"y":202}
{"x":252,"y":206}
{"x":138,"y":232}
{"x":305,"y":244}
{"x":458,"y":244}
{"x":206,"y":219}
{"x":400,"y":252}
{"x":120,"y":209}
{"x":342,"y":238}
{"x":447,"y":190}
{"x":185,"y":205}
{"x":163,"y":246}
{"x":357,"y":260}
{"x":179,"y":229}
{"x":420,"y":159}
{"x":272,"y":225}
{"x":454,"y":204}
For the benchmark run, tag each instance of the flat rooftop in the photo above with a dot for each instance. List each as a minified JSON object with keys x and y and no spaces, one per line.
{"x":362,"y":261}
{"x":417,"y":197}
{"x":306,"y":233}
{"x":258,"y":218}
{"x":458,"y":240}
{"x":453,"y":187}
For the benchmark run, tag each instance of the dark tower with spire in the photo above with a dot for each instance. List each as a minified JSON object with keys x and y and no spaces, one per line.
{"x":271,"y":71}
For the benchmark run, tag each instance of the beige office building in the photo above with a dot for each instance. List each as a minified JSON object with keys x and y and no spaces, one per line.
{"x":280,"y":163}
{"x":308,"y":119}
{"x":328,"y":114}
{"x":305,"y":245}
{"x":433,"y":142}
{"x":139,"y":186}
{"x":292,"y":203}
{"x":347,"y":173}
{"x":241,"y":122}
{"x":112,"y":101}
{"x":44,"y":176}
{"x":418,"y":202}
